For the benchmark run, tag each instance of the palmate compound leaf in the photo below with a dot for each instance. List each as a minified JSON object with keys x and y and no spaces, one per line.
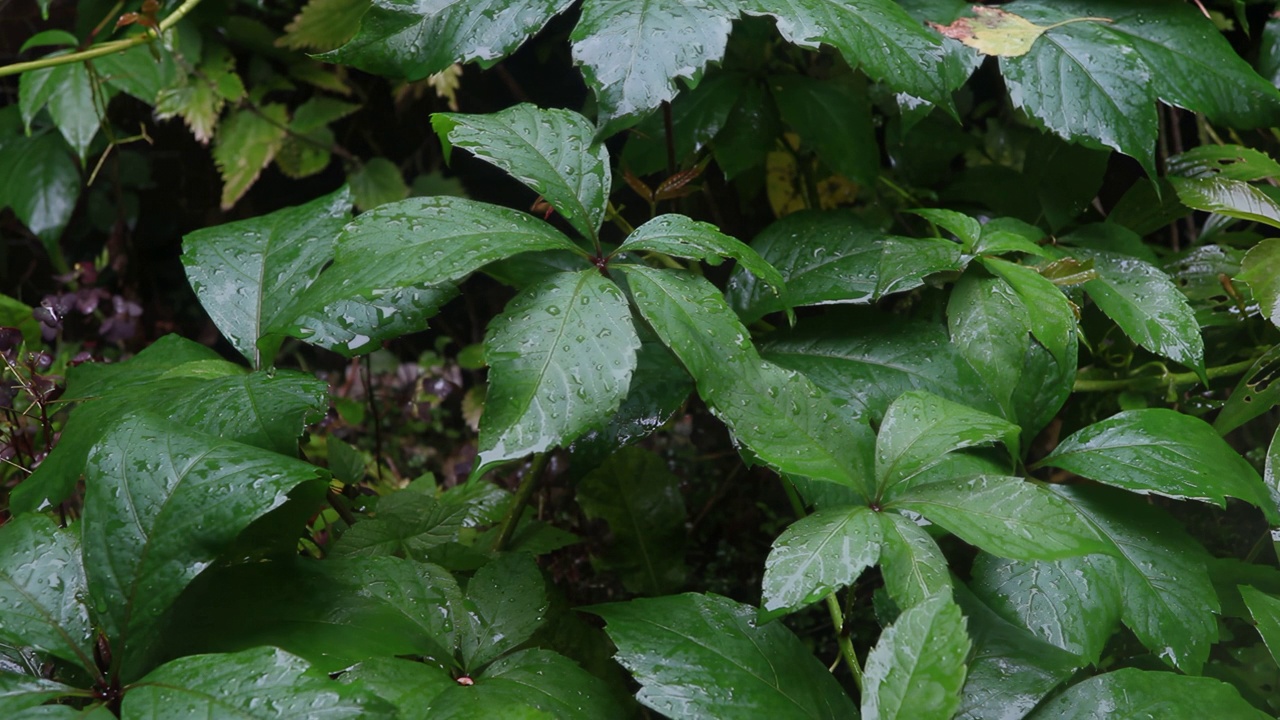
{"x":187,"y":496}
{"x":247,"y":273}
{"x":265,"y":683}
{"x":818,"y":555}
{"x":1167,"y":598}
{"x":707,"y":656}
{"x":1134,"y":693}
{"x":912,"y":564}
{"x":561,"y":357}
{"x":550,"y":151}
{"x":42,"y":590}
{"x":779,"y":415}
{"x":917,"y":668}
{"x":1165,"y":452}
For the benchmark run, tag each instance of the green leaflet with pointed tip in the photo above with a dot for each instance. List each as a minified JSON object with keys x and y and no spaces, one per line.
{"x":40,"y":181}
{"x":42,"y":590}
{"x":1165,"y":452}
{"x":377,"y":181}
{"x":68,"y":92}
{"x":918,"y":431}
{"x":1227,"y":196}
{"x":699,"y":656}
{"x":550,"y":151}
{"x":561,"y":357}
{"x":1265,"y":610}
{"x":21,"y":692}
{"x":411,"y":39}
{"x":247,"y":273}
{"x":833,"y":117}
{"x":1006,"y":516}
{"x":779,"y":415}
{"x":245,"y":145}
{"x":506,"y":602}
{"x":1167,"y":597}
{"x":679,"y":236}
{"x":917,"y":668}
{"x":539,"y":679}
{"x":1134,"y":693}
{"x":989,"y":326}
{"x":912,"y":564}
{"x":406,"y":524}
{"x":1261,"y":269}
{"x":187,"y":496}
{"x":409,"y":685}
{"x":1049,"y":313}
{"x":263,"y":683}
{"x":966,"y":229}
{"x":324,"y":24}
{"x":818,"y":555}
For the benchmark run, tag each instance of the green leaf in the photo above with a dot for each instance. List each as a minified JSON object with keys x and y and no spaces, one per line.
{"x":506,"y":602}
{"x":407,"y":524}
{"x":323,"y":24}
{"x":635,"y":493}
{"x":1010,"y":669}
{"x":965,"y":228}
{"x":918,"y":431}
{"x":912,"y":564}
{"x":247,"y":273}
{"x":407,"y":39}
{"x":835,"y":257}
{"x":1261,"y":269}
{"x":989,"y":326}
{"x":550,"y":151}
{"x":1168,"y":600}
{"x":680,"y":236}
{"x":1163,"y":452}
{"x":246,"y":143}
{"x":41,"y":182}
{"x":1266,"y":614}
{"x":561,"y":357}
{"x":142,"y":71}
{"x":779,"y":415}
{"x":1147,"y":306}
{"x":353,"y":326}
{"x":871,"y":360}
{"x":917,"y":667}
{"x":706,"y":656}
{"x":1005,"y":516}
{"x":376,"y":182}
{"x":260,"y":683}
{"x":833,"y":117}
{"x":1134,"y":693}
{"x":407,"y":684}
{"x":750,"y":131}
{"x":632,"y":54}
{"x":1049,"y":313}
{"x":1072,"y":603}
{"x":18,"y":315}
{"x":539,"y":679}
{"x":68,"y":92}
{"x":42,"y":590}
{"x":187,"y":496}
{"x":202,"y":97}
{"x":19,"y":692}
{"x":1225,"y":196}
{"x":818,"y":555}
{"x":1236,"y":162}
{"x":697,"y":116}
{"x":1085,"y":83}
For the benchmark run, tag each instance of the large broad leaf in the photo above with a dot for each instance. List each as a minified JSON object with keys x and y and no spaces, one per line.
{"x":412,"y":39}
{"x":631,"y":53}
{"x":1229,"y":197}
{"x":1265,"y":610}
{"x":1010,"y":670}
{"x":917,"y":667}
{"x":912,"y":564}
{"x":69,"y":93}
{"x":705,"y":656}
{"x":186,"y":496}
{"x":871,"y":360}
{"x":1073,"y":603}
{"x":682,"y":237}
{"x":835,"y":257}
{"x":818,"y":555}
{"x":539,"y":679}
{"x":246,"y":273}
{"x":561,"y":357}
{"x":40,"y":181}
{"x":918,"y":431}
{"x":1147,"y":306}
{"x":1133,"y":693}
{"x":832,"y":116}
{"x":639,"y":498}
{"x":419,"y":242}
{"x":262,"y":683}
{"x":779,"y":415}
{"x":354,"y":325}
{"x":551,"y":151}
{"x":21,"y":692}
{"x":407,"y":523}
{"x":1168,"y":599}
{"x":1261,"y":269}
{"x":506,"y":602}
{"x":989,"y":325}
{"x":407,"y":684}
{"x":1163,"y":452}
{"x":42,"y":590}
{"x":1006,"y":516}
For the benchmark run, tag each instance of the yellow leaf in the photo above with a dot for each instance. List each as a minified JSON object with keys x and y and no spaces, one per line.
{"x":996,"y":32}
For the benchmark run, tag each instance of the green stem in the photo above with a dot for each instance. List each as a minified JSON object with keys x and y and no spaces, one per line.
{"x":528,"y":484}
{"x":104,"y":49}
{"x":1153,"y":382}
{"x":833,"y":603}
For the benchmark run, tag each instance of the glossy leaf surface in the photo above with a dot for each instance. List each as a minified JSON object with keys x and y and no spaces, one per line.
{"x":406,"y":524}
{"x":540,"y":680}
{"x":918,"y":666}
{"x":42,"y":590}
{"x":913,"y":565}
{"x":40,"y":181}
{"x":817,"y":555}
{"x":1261,"y":269}
{"x":989,"y":326}
{"x":680,"y":236}
{"x":506,"y":601}
{"x":1130,"y":692}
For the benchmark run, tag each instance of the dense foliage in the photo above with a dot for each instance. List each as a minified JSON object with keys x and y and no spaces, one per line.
{"x":979,"y":419}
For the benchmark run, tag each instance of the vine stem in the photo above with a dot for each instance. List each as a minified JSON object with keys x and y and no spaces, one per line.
{"x":833,"y":603}
{"x":1152,"y":382}
{"x":104,"y":49}
{"x":528,"y":484}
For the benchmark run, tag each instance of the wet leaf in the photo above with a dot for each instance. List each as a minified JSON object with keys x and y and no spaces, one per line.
{"x":506,"y":602}
{"x":406,"y":524}
{"x":377,"y":182}
{"x":680,"y":236}
{"x":41,"y":182}
{"x":407,"y":684}
{"x":1050,"y":316}
{"x":1227,"y":196}
{"x":832,"y":116}
{"x":1130,"y":692}
{"x":247,"y":141}
{"x":19,"y":692}
{"x":42,"y":590}
{"x":1265,"y":610}
{"x":323,"y":24}
{"x":912,"y":564}
{"x":68,"y":92}
{"x":1261,"y":269}
{"x":818,"y":555}
{"x":989,"y":326}
{"x":917,"y":667}
{"x":993,"y":31}
{"x":540,"y":680}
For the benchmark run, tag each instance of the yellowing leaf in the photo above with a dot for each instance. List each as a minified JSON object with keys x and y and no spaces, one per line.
{"x":996,"y":32}
{"x":323,"y":24}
